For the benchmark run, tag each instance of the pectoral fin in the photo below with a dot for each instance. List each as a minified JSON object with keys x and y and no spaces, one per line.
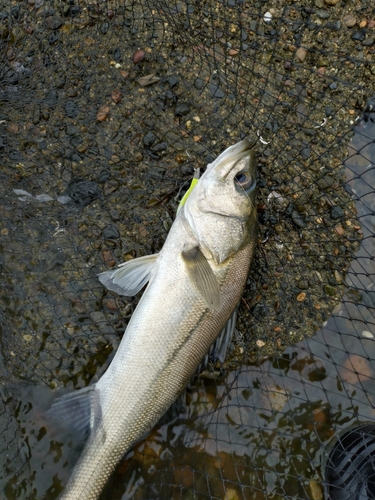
{"x":203,"y":277}
{"x":131,"y":276}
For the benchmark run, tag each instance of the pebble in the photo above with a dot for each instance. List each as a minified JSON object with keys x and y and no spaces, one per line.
{"x":331,"y":2}
{"x":358,"y":35}
{"x":149,"y":139}
{"x":116,"y":96}
{"x":297,"y":219}
{"x":13,"y":128}
{"x":337,"y":212}
{"x":233,"y":52}
{"x":103,"y":113}
{"x":368,"y":42}
{"x":216,"y":91}
{"x":111,"y":232}
{"x":182,"y":109}
{"x":339,"y":230}
{"x":301,"y":297}
{"x":138,"y":56}
{"x":301,"y":54}
{"x":349,"y":20}
{"x":54,"y":22}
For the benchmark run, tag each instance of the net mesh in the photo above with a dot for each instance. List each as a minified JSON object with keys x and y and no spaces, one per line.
{"x":105,"y":110}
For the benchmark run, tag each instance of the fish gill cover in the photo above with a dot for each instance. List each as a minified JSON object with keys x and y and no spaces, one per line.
{"x":105,"y":110}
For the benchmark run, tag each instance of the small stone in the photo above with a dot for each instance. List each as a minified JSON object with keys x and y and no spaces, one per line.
{"x":108,"y":258}
{"x":13,"y":128}
{"x":124,"y":73}
{"x":260,"y":343}
{"x":349,"y":20}
{"x":103,"y":113}
{"x":339,"y":279}
{"x":316,"y":490}
{"x":368,"y":41}
{"x":337,"y":212}
{"x":331,"y":2}
{"x":110,"y":233}
{"x":4,"y":231}
{"x":363,"y":24}
{"x":182,"y":109}
{"x":301,"y":296}
{"x":199,"y":84}
{"x":138,"y":56}
{"x":216,"y":91}
{"x":301,"y":54}
{"x":172,"y":81}
{"x":54,"y":22}
{"x":325,"y":182}
{"x":358,"y":35}
{"x":149,"y":139}
{"x":329,"y":290}
{"x":104,"y":27}
{"x":116,"y":96}
{"x":297,"y":219}
{"x":367,"y":334}
{"x":142,"y":231}
{"x":323,"y":14}
{"x":233,"y":52}
{"x":339,"y":230}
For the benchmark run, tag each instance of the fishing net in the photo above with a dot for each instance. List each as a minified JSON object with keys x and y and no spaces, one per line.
{"x":106,"y":109}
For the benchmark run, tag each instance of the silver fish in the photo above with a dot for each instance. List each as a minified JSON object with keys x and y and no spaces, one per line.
{"x":194,"y":285}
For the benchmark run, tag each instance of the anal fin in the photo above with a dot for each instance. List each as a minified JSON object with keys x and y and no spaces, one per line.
{"x":76,"y":411}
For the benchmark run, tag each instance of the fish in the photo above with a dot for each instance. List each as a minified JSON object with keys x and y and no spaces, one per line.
{"x":194,"y":285}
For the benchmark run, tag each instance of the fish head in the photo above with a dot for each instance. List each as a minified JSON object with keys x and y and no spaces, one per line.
{"x":221,"y":210}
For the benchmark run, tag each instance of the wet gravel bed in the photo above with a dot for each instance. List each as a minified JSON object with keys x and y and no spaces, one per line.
{"x":105,"y":114}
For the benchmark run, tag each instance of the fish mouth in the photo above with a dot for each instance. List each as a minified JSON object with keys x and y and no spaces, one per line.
{"x":231,"y":155}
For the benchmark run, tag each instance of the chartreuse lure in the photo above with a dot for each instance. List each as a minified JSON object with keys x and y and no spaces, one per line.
{"x":194,"y":182}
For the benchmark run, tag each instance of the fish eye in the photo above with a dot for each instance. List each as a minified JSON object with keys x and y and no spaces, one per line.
{"x":243,"y":180}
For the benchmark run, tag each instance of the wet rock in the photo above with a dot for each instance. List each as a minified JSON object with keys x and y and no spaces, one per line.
{"x":199,"y":84}
{"x":349,"y":20}
{"x":216,"y":91}
{"x":71,"y":109}
{"x":138,"y":56}
{"x":369,"y":41}
{"x":172,"y":81}
{"x":103,"y":113}
{"x":297,"y":219}
{"x":301,"y":54}
{"x":160,"y":147}
{"x":358,"y":35}
{"x":325,"y":182}
{"x":182,"y":109}
{"x":54,"y":22}
{"x":110,"y":233}
{"x":116,"y":96}
{"x":104,"y":27}
{"x":71,"y":130}
{"x":82,"y":192}
{"x":337,"y":212}
{"x":149,"y":139}
{"x":323,"y":14}
{"x":103,"y":176}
